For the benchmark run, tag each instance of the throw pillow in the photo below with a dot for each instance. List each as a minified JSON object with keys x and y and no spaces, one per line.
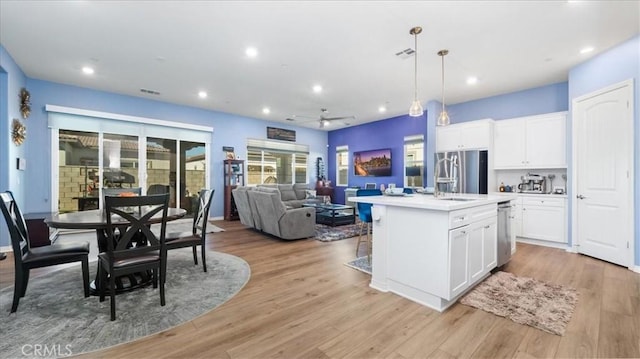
{"x":286,"y":192}
{"x":310,"y":193}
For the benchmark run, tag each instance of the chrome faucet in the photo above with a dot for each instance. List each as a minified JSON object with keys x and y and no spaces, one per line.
{"x":451,"y":177}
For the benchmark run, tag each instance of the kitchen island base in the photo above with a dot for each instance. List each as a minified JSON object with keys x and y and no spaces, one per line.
{"x":432,"y":251}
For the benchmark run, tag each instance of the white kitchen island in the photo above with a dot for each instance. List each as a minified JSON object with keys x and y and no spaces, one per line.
{"x":432,"y":250}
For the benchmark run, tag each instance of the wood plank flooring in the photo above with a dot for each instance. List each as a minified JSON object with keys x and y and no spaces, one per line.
{"x":302,"y":302}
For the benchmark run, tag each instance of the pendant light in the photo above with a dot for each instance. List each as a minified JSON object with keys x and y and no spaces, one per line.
{"x":443,"y":119}
{"x":416,"y":109}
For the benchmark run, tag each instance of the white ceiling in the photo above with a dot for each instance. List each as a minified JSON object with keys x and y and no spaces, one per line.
{"x":181,"y":47}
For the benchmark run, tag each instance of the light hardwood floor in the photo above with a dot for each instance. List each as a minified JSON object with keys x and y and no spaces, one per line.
{"x":302,"y":302}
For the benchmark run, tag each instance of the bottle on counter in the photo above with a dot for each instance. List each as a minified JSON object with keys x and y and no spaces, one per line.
{"x":501,"y":186}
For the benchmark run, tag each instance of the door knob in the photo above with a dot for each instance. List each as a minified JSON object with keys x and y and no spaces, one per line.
{"x":580,"y":196}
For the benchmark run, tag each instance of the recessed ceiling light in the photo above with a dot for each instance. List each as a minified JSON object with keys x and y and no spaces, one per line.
{"x":382,"y":109}
{"x":202,"y":94}
{"x":266,"y":110}
{"x":251,"y":51}
{"x":88,"y":70}
{"x":472,"y":80}
{"x":317,"y":88}
{"x":586,"y":50}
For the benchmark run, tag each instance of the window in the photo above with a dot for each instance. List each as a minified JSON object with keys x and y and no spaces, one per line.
{"x":276,"y":162}
{"x":414,"y":161}
{"x":342,"y":166}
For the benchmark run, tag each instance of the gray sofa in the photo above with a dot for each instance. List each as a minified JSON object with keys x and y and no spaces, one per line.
{"x":263,"y":209}
{"x":292,"y":195}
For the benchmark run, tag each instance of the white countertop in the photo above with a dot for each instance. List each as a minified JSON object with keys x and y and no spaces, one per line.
{"x":427,"y":201}
{"x":518,"y":194}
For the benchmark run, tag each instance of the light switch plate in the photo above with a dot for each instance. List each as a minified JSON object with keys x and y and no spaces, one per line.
{"x":21,"y":164}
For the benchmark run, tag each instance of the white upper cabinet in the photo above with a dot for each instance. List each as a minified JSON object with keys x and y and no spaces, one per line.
{"x":464,"y":136}
{"x":531,"y":142}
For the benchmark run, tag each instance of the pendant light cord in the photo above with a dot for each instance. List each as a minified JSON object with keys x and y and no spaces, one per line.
{"x":415,"y":69}
{"x":443,"y":83}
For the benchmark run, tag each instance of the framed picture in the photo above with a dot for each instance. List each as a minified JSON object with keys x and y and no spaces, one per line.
{"x":372,"y":163}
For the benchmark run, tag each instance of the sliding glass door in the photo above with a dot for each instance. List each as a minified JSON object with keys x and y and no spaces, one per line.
{"x":88,"y":160}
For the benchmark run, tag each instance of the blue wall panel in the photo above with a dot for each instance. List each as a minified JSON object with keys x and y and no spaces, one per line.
{"x":387,"y":133}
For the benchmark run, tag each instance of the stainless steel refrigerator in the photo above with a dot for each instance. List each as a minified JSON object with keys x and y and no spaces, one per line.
{"x":461,"y":171}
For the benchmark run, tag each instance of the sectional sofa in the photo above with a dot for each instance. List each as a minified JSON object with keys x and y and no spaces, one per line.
{"x":276,"y":210}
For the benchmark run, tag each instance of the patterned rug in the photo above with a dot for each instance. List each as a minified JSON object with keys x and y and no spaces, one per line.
{"x":544,"y":306}
{"x":329,"y":234}
{"x":55,"y":312}
{"x":361,"y":263}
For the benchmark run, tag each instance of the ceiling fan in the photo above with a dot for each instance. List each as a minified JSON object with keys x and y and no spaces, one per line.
{"x":323,"y":120}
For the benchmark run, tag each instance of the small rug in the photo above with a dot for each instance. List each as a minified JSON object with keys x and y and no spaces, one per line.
{"x":528,"y":301}
{"x":361,"y":263}
{"x":330,"y":234}
{"x":55,"y":312}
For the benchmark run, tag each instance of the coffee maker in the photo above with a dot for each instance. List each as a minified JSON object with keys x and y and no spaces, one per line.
{"x":533,"y":183}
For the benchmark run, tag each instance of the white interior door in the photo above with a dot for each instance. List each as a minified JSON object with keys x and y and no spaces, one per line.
{"x":604,"y":192}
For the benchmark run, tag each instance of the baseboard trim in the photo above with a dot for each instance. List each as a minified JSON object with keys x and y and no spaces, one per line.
{"x":545,"y":243}
{"x":636,"y":269}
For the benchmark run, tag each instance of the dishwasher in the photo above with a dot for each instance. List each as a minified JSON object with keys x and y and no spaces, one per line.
{"x":504,"y":232}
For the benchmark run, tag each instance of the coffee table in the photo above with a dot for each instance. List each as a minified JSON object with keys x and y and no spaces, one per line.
{"x":333,"y":214}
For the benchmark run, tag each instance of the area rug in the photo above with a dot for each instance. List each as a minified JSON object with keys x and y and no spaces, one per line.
{"x":56,"y":313}
{"x":361,"y":263}
{"x":329,"y":234}
{"x":528,"y":301}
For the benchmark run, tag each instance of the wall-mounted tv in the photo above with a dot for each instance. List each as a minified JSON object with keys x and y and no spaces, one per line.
{"x":375,"y":163}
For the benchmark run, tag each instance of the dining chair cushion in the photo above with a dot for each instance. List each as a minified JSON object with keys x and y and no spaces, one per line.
{"x":149,"y":258}
{"x":186,"y":237}
{"x":56,"y":252}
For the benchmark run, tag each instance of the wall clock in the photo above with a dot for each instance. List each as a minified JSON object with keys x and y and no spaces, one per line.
{"x":25,"y":103}
{"x":18,"y":132}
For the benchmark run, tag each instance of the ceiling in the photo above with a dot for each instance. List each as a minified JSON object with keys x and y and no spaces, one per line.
{"x":178,"y":48}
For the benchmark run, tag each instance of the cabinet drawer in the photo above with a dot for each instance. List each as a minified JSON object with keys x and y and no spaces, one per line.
{"x":540,"y":201}
{"x":462,"y":217}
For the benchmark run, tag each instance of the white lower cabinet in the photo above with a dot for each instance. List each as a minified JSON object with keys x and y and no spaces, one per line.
{"x":541,"y":217}
{"x":472,"y":250}
{"x":458,"y":261}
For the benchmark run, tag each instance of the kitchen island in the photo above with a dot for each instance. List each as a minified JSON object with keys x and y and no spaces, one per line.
{"x":432,"y":250}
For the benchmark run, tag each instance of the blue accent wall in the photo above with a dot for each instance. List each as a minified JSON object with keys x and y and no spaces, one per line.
{"x":387,"y":133}
{"x":229,"y":130}
{"x":535,"y":101}
{"x":613,"y":66}
{"x":12,"y":80}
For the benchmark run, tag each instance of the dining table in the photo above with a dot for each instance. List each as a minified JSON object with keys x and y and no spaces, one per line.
{"x":97,"y":220}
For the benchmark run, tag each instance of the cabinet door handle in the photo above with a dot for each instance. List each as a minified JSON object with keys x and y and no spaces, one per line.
{"x":580,"y":196}
{"x":487,"y":227}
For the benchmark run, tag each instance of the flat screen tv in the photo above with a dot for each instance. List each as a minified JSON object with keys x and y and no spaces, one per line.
{"x":375,"y":163}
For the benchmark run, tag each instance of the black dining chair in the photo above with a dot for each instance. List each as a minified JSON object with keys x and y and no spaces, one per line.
{"x":198,"y":232}
{"x":126,"y":253}
{"x":26,"y":258}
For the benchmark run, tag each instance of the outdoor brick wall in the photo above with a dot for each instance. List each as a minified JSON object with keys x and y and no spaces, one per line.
{"x":72,"y":179}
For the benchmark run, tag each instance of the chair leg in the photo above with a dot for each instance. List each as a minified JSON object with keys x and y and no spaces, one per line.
{"x":17,"y":290}
{"x":204,"y":258}
{"x":195,"y":255}
{"x":359,"y":238}
{"x":85,"y":275}
{"x":25,"y":282}
{"x":112,"y":294}
{"x":102,"y":282}
{"x":163,"y":275}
